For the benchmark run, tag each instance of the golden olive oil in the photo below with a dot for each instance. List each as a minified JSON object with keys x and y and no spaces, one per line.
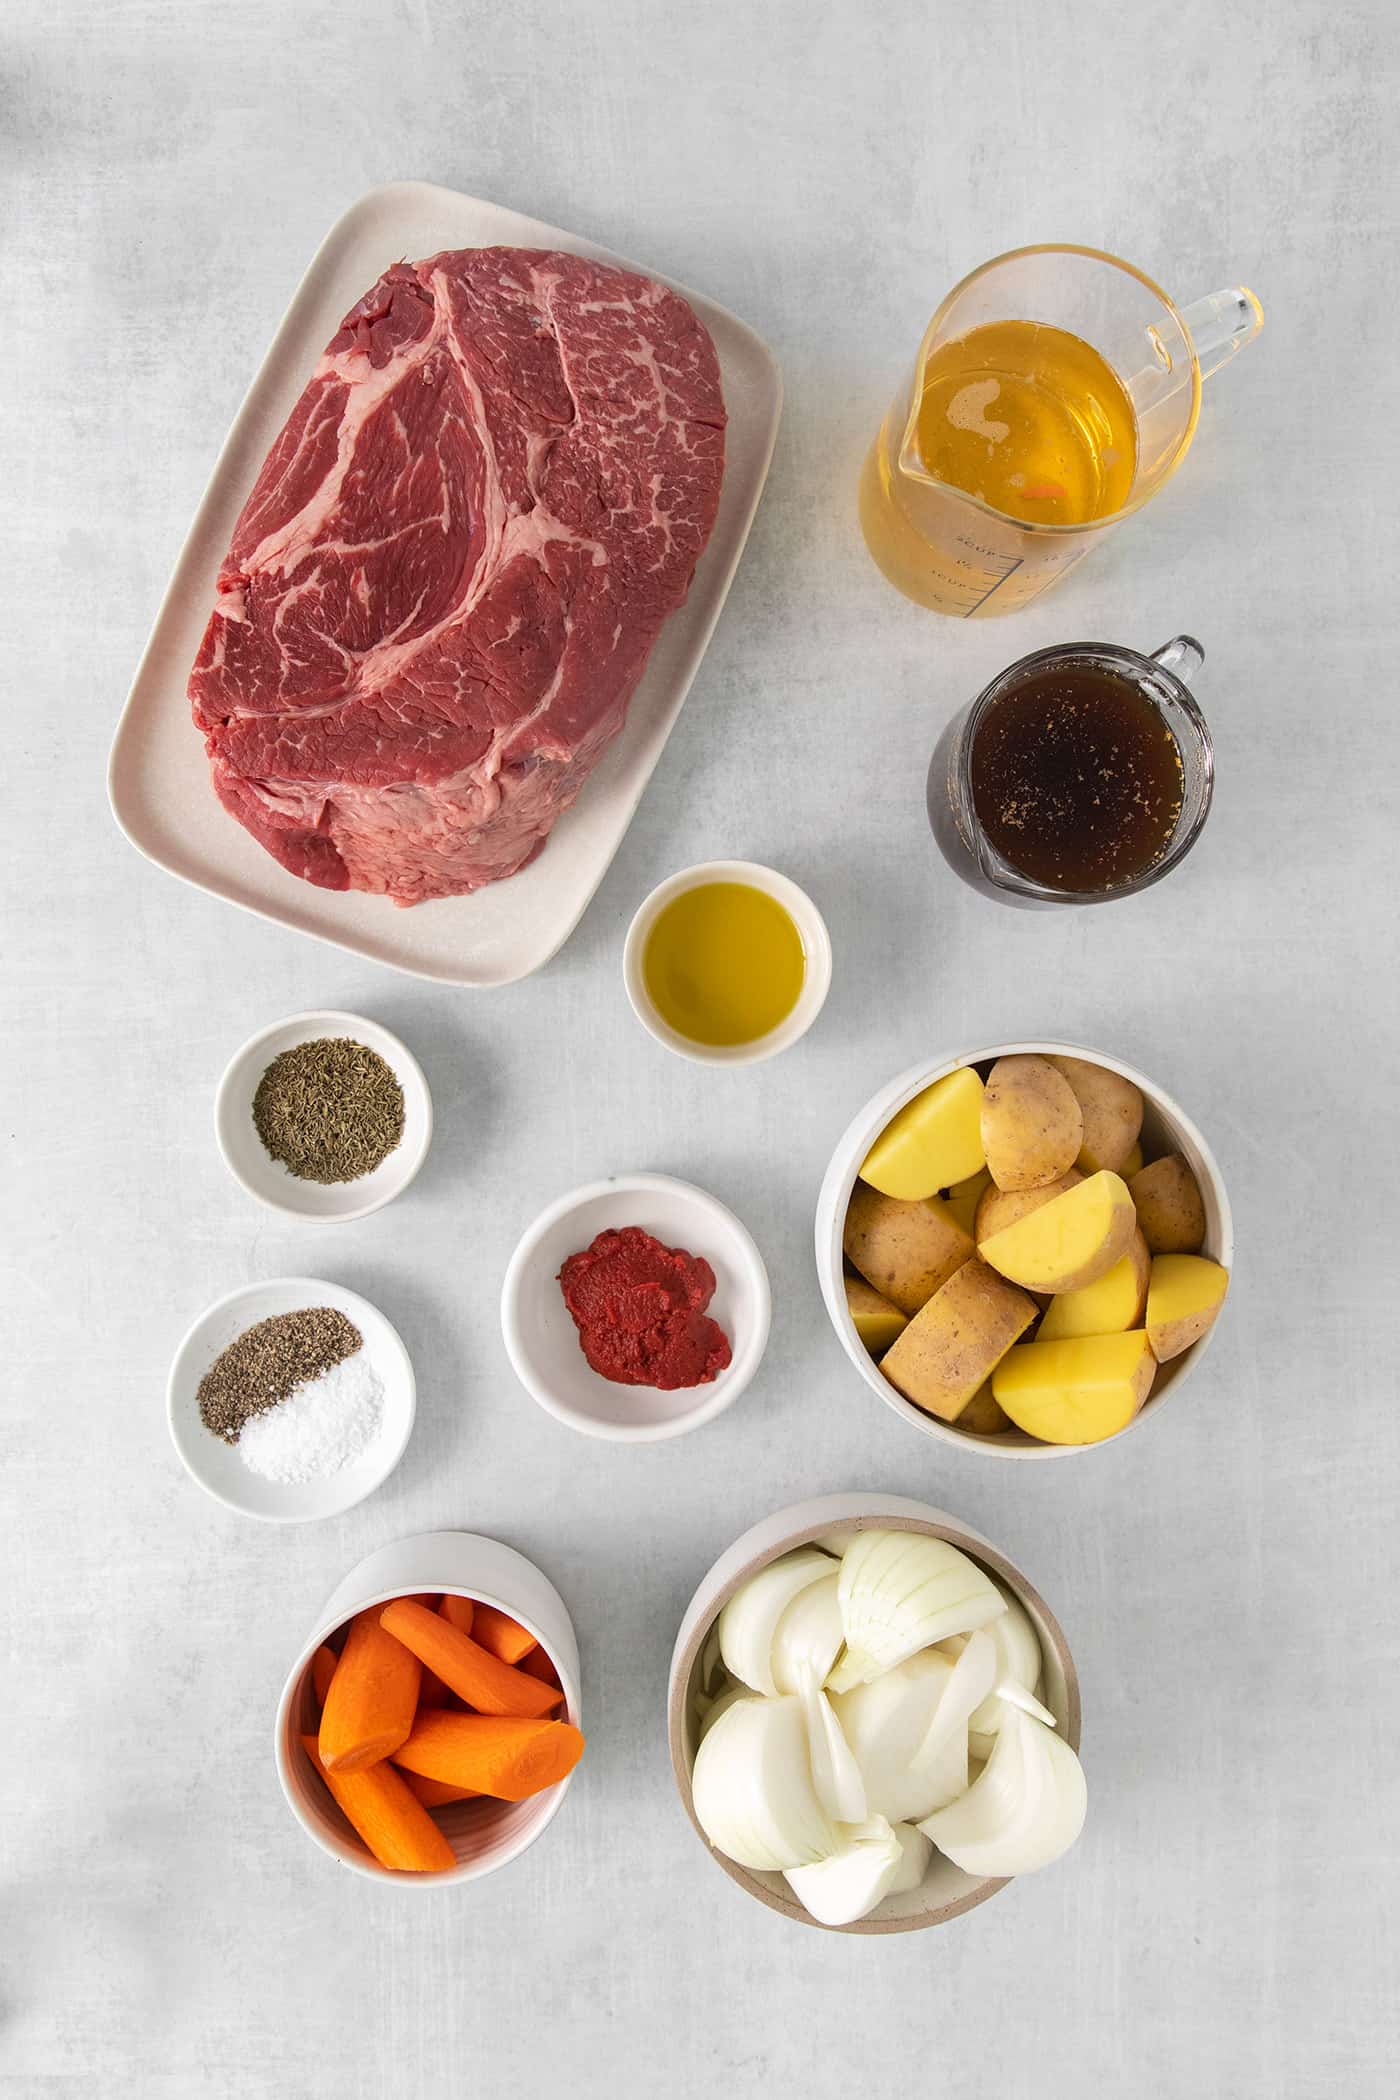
{"x":724,"y":963}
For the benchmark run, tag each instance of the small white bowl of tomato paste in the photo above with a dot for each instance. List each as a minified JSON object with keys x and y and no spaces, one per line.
{"x":636,"y":1308}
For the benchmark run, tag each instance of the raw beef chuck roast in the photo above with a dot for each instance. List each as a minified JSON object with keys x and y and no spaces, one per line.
{"x":450,"y":573}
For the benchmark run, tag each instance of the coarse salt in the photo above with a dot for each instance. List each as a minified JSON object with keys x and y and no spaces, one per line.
{"x":324,"y":1426}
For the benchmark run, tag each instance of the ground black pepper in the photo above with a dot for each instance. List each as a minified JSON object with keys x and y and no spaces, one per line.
{"x":329,"y":1110}
{"x":268,"y":1363}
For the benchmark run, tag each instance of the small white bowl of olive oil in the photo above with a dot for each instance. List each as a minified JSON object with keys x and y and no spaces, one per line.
{"x":727,"y":963}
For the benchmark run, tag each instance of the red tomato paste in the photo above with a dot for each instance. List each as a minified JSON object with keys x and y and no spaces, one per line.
{"x":640,"y":1311}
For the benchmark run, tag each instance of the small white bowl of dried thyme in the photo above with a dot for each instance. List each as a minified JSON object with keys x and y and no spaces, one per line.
{"x":291,"y":1400}
{"x":324,"y":1116}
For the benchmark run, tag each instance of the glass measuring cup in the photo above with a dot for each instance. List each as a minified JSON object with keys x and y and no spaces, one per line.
{"x":1159,"y":680}
{"x":960,"y":554}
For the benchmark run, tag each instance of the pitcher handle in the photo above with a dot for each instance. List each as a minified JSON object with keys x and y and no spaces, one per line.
{"x":1221,"y":324}
{"x":1182,"y":656}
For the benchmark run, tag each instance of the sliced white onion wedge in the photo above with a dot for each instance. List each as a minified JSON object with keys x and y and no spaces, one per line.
{"x":1024,"y":1810}
{"x":1013,"y":1694}
{"x":1018,"y":1662}
{"x":888,"y":1725}
{"x":750,"y":1618}
{"x":715,"y":1707}
{"x":808,"y":1637}
{"x":971,"y":1678}
{"x":752,"y":1788}
{"x":855,"y":1876}
{"x":917,"y":1851}
{"x":835,"y":1773}
{"x":901,"y":1591}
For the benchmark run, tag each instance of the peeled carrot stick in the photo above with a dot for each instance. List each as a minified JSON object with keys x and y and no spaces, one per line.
{"x":372,"y":1698}
{"x":387,"y":1814}
{"x":458,"y":1612}
{"x":323,"y":1664}
{"x":538,"y":1664}
{"x":436,"y":1793}
{"x":490,"y":1686}
{"x":500,"y":1636}
{"x":505,"y":1755}
{"x":432,"y":1691}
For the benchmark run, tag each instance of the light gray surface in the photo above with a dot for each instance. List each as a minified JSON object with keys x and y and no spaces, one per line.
{"x":1228,"y":1924}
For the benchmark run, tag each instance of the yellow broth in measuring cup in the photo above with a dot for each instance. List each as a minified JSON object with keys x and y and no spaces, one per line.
{"x":1032,"y":420}
{"x":1055,"y":391}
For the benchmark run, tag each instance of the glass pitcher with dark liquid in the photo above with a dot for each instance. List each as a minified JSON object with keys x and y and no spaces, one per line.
{"x":1080,"y":774}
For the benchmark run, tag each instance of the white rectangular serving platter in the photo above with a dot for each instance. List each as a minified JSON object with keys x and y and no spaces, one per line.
{"x":159,"y":779}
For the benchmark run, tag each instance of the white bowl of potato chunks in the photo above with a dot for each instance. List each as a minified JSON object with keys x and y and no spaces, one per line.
{"x":1024,"y":1249}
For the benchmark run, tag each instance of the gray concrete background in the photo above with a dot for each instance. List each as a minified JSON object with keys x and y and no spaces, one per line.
{"x":1228,"y":1924}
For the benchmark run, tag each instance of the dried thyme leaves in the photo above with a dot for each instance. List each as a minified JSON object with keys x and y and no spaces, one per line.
{"x":269,"y":1362}
{"x":330,"y":1110}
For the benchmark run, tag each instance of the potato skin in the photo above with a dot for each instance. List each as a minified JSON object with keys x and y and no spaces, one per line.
{"x":998,"y":1207}
{"x":1169,"y":1206}
{"x":1112,"y":1110}
{"x":1172,"y":1338}
{"x":1032,"y":1126}
{"x":956,"y":1341}
{"x":904,"y":1250}
{"x":984,"y":1414}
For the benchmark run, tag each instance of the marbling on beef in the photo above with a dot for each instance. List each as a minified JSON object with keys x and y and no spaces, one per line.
{"x":459,"y":552}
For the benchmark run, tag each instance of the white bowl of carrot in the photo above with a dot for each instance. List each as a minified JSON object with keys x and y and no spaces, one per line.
{"x":430,"y":1727}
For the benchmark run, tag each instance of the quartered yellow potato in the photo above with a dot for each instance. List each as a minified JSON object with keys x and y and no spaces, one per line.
{"x":1112,"y":1110}
{"x":1070,"y":1241}
{"x":984,"y":1415}
{"x":1169,"y":1206}
{"x":951,"y":1346}
{"x":934,"y":1141}
{"x":1184,"y":1294}
{"x":998,"y":1208}
{"x":905,"y":1250}
{"x":1032,"y":1128}
{"x":962,"y":1199}
{"x":1110,"y":1306}
{"x":877,"y":1322}
{"x":1076,"y":1392}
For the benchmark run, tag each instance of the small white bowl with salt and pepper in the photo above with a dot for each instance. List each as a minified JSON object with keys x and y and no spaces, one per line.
{"x":343,"y":1098}
{"x":339,"y":1431}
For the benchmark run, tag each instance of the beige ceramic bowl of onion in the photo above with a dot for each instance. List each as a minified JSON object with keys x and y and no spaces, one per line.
{"x":945,"y":1891}
{"x":1166,"y":1127}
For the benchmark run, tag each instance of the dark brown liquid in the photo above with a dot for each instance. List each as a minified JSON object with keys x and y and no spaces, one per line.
{"x":1076,"y":779}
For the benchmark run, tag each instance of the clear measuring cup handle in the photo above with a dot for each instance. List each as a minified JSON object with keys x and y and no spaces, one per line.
{"x":1182,"y":656}
{"x":1221,"y":324}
